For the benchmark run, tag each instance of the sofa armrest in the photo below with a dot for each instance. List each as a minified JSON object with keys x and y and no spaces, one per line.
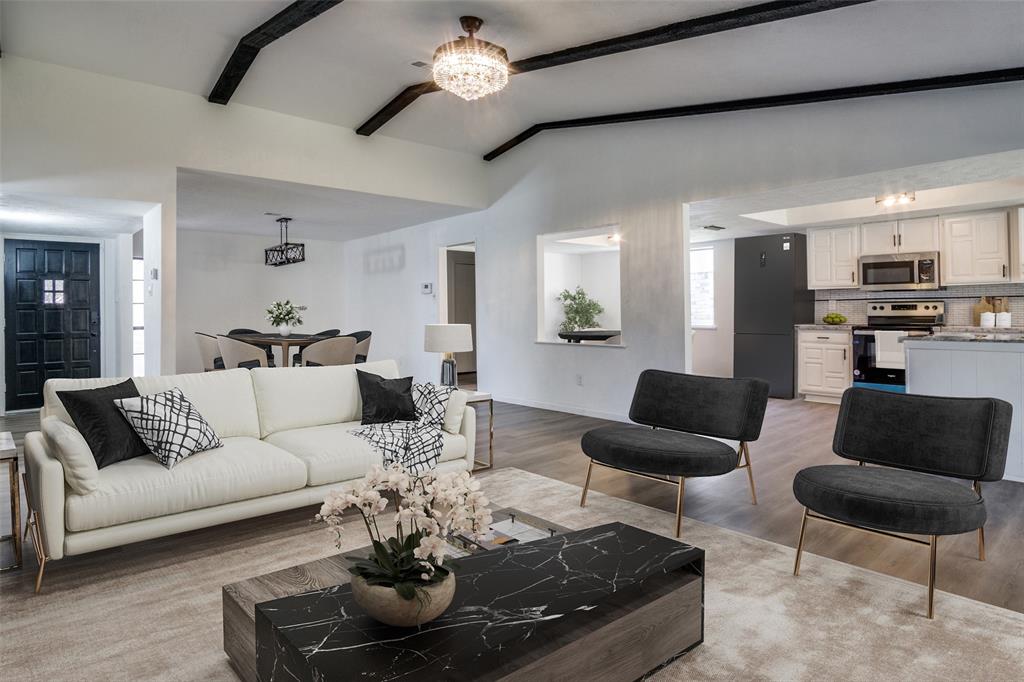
{"x":468,"y":431}
{"x":46,"y":492}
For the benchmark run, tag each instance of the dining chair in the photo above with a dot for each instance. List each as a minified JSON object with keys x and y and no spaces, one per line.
{"x":268,"y":349}
{"x":338,"y":350}
{"x":362,"y":344}
{"x":241,"y":354}
{"x":326,"y":334}
{"x":209,"y":352}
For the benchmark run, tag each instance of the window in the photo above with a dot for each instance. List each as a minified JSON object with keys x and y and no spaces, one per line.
{"x":53,"y":292}
{"x":138,"y":317}
{"x":702,"y":287}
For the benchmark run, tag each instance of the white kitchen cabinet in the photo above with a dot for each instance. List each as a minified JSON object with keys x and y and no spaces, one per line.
{"x":903,"y":236}
{"x":878,"y":239}
{"x":975,"y":249}
{"x":918,"y":235}
{"x":1017,"y":244}
{"x":832,"y":254}
{"x":824,"y":364}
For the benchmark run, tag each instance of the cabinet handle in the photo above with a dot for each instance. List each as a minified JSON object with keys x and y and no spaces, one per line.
{"x":1004,"y":271}
{"x":894,"y":240}
{"x":853,"y":275}
{"x":899,"y":239}
{"x":844,"y":355}
{"x":823,"y":338}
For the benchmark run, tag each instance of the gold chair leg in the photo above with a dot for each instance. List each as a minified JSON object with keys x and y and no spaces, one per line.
{"x":932,"y":547}
{"x":679,"y":505}
{"x":800,"y":543}
{"x":586,"y":484}
{"x":981,"y":531}
{"x":750,"y":472}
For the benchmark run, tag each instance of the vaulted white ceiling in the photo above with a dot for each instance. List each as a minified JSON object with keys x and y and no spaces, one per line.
{"x":344,"y":65}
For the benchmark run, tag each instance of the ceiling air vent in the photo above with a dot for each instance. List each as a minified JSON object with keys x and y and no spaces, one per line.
{"x":714,"y":228}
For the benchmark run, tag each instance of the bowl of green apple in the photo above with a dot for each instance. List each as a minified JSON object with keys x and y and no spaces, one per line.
{"x":834,"y":318}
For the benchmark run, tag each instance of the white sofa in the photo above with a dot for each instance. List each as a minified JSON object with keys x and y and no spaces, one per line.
{"x":286,"y":443}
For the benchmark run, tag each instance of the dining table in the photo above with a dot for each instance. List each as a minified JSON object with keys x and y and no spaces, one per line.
{"x":285,"y":343}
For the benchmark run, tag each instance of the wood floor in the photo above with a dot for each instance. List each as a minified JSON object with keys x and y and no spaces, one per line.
{"x":796,"y":434}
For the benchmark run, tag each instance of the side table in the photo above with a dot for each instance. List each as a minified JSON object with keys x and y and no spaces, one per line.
{"x":481,"y":397}
{"x":9,"y":455}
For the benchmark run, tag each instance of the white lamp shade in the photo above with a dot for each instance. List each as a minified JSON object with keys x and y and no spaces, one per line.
{"x":448,"y":338}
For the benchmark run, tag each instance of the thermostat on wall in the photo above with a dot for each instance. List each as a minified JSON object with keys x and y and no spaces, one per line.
{"x":427,"y":288}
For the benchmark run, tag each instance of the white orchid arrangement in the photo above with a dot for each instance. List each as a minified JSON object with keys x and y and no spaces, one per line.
{"x":429,"y":510}
{"x":285,"y":312}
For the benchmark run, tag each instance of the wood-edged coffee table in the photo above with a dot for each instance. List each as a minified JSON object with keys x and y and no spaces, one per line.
{"x":240,"y":599}
{"x":611,"y":602}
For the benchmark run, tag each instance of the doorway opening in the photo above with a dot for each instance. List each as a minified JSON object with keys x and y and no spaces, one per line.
{"x":458,"y":303}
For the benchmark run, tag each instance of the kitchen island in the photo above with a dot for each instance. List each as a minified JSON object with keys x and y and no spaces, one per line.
{"x":974,"y":365}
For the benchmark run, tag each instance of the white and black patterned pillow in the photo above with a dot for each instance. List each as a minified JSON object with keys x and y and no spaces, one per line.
{"x":431,"y":403}
{"x":169,"y":425}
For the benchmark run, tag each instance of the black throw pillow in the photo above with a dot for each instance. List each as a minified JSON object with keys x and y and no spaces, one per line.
{"x":109,"y":435}
{"x":385,"y":400}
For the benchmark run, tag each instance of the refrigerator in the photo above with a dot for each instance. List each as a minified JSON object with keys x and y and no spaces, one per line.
{"x":771,"y":296}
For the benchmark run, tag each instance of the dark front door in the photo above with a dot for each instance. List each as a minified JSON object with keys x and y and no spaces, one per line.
{"x":52,"y":315}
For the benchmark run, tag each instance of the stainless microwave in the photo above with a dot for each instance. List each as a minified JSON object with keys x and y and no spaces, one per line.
{"x":900,"y":271}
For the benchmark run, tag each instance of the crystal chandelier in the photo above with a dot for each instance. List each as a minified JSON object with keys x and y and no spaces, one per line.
{"x":469,"y":67}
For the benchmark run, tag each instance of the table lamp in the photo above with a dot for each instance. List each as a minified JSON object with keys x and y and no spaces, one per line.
{"x":448,"y":339}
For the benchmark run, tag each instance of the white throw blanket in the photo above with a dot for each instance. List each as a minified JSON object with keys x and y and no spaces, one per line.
{"x":889,"y":350}
{"x":416,"y":445}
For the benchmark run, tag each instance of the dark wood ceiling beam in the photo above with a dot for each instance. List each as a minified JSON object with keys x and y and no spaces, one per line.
{"x":691,"y":28}
{"x":853,"y":92}
{"x":282,"y":23}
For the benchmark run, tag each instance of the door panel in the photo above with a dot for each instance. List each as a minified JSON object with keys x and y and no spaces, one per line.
{"x":878,"y":239}
{"x":52,"y":308}
{"x":767,"y":356}
{"x":918,"y":235}
{"x":462,"y":301}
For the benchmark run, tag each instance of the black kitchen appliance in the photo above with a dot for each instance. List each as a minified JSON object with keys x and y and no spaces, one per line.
{"x":771,"y":296}
{"x":915,"y":318}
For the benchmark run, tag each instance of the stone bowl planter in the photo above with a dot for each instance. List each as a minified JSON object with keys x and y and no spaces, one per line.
{"x":385,"y":605}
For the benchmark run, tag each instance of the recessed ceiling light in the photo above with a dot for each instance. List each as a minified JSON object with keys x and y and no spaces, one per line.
{"x":615,"y":238}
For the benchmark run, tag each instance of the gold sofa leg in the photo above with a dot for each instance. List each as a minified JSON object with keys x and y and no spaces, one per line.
{"x":981,"y":531}
{"x":32,"y":524}
{"x":800,"y":543}
{"x":586,"y":484}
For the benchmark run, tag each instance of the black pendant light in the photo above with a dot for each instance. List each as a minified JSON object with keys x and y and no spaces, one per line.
{"x":284,"y":253}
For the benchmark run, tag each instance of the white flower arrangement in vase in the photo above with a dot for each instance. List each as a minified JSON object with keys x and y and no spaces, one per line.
{"x":284,"y":315}
{"x":407,"y":580}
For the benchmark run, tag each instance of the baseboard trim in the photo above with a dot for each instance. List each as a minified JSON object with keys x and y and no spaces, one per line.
{"x":561,"y":407}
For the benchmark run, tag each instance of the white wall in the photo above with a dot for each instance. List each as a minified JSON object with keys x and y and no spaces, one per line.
{"x":637,"y":176}
{"x":223,"y":284}
{"x":74,"y":133}
{"x":713,"y":348}
{"x":599,"y":276}
{"x":561,"y":271}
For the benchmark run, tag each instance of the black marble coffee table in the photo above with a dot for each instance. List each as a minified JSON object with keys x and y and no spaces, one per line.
{"x":612,"y":603}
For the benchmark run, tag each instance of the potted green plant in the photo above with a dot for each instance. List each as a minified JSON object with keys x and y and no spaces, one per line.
{"x":284,"y":315}
{"x":581,"y":311}
{"x":407,"y":580}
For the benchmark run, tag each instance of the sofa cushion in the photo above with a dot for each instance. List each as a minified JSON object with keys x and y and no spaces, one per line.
{"x":659,"y":451}
{"x":890,"y":499}
{"x":297,"y":397}
{"x":140,"y":488}
{"x":454,"y":411}
{"x":69,"y":447}
{"x":225,"y":398}
{"x":109,"y":435}
{"x":332,"y":454}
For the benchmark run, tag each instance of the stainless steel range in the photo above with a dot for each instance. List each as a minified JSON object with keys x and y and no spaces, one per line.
{"x":878,"y":358}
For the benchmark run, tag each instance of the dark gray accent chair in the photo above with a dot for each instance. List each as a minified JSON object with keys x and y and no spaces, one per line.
{"x":678,"y":418}
{"x":923,"y":443}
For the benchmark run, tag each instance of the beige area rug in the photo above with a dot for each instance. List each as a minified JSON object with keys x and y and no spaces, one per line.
{"x":153,"y":610}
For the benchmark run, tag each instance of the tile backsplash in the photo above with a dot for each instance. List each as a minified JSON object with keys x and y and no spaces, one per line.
{"x":959,"y":301}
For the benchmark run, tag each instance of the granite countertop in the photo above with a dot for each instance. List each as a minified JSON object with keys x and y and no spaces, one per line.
{"x":949,"y":329}
{"x":821,"y":327}
{"x":970,"y":337}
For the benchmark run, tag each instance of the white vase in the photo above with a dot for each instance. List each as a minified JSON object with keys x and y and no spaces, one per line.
{"x":284,"y":329}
